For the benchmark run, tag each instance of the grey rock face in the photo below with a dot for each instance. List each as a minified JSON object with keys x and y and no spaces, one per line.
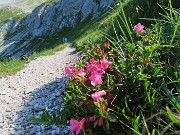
{"x":47,"y":20}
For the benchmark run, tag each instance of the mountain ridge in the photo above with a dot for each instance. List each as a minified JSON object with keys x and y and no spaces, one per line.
{"x":46,"y":20}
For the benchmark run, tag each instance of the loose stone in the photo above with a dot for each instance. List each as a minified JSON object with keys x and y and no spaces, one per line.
{"x":30,"y":92}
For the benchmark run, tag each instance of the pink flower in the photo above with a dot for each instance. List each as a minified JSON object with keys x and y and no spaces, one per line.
{"x":80,"y":73}
{"x":69,"y":70}
{"x":105,"y":63}
{"x":92,"y":68}
{"x":139,"y":28}
{"x":91,"y":118}
{"x":100,"y":121}
{"x":95,"y":78}
{"x":92,"y":61}
{"x":97,"y":95}
{"x":76,"y":125}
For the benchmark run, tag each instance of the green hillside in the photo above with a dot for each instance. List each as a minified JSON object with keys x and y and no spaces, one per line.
{"x":8,"y":12}
{"x":27,"y":5}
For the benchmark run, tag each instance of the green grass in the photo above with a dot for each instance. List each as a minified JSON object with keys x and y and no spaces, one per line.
{"x":11,"y":67}
{"x":6,"y":13}
{"x":47,"y":3}
{"x":52,"y":51}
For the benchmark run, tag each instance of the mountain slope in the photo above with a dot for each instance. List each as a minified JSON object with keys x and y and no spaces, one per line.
{"x":45,"y":21}
{"x":26,"y":5}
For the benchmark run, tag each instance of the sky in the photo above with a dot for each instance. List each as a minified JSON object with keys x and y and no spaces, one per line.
{"x":6,"y":1}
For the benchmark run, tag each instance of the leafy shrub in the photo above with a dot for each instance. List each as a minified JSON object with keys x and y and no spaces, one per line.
{"x":129,"y":85}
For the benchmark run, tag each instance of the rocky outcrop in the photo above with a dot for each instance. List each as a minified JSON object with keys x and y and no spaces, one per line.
{"x":46,"y":20}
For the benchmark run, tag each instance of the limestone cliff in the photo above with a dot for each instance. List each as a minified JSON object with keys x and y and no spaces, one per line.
{"x":45,"y":20}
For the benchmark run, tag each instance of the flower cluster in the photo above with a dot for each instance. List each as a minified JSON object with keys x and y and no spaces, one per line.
{"x":139,"y":28}
{"x":92,"y":73}
{"x":95,"y":69}
{"x":97,"y":95}
{"x":76,"y":125}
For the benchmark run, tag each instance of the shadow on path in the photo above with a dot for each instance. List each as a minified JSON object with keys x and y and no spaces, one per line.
{"x":49,"y":96}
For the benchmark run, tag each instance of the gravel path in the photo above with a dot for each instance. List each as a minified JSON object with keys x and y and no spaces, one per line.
{"x":40,"y":85}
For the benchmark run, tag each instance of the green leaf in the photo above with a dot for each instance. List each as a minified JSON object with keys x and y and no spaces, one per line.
{"x":153,"y":132}
{"x":107,"y":126}
{"x":124,"y":114}
{"x":172,"y":99}
{"x":34,"y":119}
{"x":154,"y":47}
{"x":136,"y":124}
{"x":171,"y":116}
{"x":148,"y":94}
{"x":112,"y":117}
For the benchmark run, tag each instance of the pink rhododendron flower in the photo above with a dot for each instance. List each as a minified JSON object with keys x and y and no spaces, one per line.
{"x":100,"y":121}
{"x":95,"y":78}
{"x":105,"y":63}
{"x":93,"y":61}
{"x":91,"y":118}
{"x":69,"y":70}
{"x":97,"y":95}
{"x":139,"y":28}
{"x":93,"y":66}
{"x":76,"y":125}
{"x":80,"y":73}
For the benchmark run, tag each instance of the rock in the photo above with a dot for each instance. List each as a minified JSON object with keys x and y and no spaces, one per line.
{"x":45,"y":21}
{"x":15,"y":110}
{"x":14,"y":117}
{"x":58,"y":94}
{"x":38,"y":129}
{"x":8,"y":110}
{"x":52,"y":97}
{"x":19,"y":132}
{"x":39,"y":133}
{"x":21,"y":119}
{"x":38,"y":107}
{"x":1,"y":125}
{"x":33,"y":130}
{"x":52,"y":132}
{"x":1,"y":118}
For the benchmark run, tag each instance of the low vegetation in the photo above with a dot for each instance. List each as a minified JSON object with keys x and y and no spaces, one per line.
{"x":10,"y":12}
{"x":128,"y":80}
{"x":12,"y":66}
